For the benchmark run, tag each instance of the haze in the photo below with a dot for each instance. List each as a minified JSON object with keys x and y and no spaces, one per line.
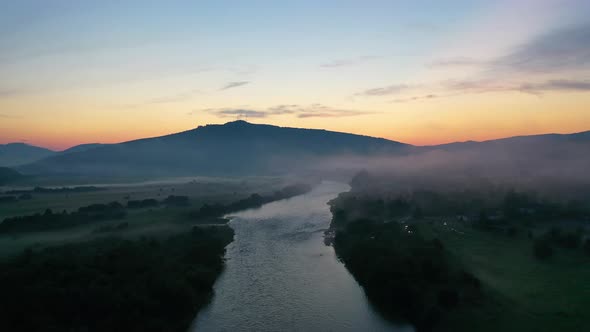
{"x":387,"y":166}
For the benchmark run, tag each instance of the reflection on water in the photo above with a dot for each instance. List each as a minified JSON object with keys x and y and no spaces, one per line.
{"x":280,"y":276}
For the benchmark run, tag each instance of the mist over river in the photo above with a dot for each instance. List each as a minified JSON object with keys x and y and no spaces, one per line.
{"x":280,"y":276}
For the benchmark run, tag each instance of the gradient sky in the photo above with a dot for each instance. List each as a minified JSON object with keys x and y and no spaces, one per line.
{"x":421,"y":72}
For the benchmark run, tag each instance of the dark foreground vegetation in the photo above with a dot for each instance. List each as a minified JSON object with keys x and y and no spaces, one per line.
{"x":113,"y":285}
{"x":96,"y":213}
{"x":61,"y":190}
{"x":123,"y":268}
{"x":405,"y":275}
{"x":49,"y":221}
{"x":493,"y":259}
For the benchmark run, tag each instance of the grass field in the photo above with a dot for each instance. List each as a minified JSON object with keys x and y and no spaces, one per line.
{"x":199,"y":190}
{"x":157,"y":221}
{"x":525,"y":294}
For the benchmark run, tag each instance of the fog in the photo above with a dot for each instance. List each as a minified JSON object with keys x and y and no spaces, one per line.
{"x":557,"y":169}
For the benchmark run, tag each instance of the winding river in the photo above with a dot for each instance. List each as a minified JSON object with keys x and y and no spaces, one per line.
{"x":280,"y":276}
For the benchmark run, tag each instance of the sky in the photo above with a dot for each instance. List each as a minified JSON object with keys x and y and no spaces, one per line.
{"x":419,"y":72}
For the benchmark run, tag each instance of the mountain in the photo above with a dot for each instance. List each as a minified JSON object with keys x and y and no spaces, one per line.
{"x":546,"y":146}
{"x":242,"y":148}
{"x":517,"y":142}
{"x":234,"y":148}
{"x":8,"y":175}
{"x":14,"y":154}
{"x":82,"y":147}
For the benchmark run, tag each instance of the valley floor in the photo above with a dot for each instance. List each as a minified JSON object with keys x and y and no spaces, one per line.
{"x":517,"y":291}
{"x":119,"y":258}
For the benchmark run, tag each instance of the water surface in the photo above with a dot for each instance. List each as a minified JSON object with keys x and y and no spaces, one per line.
{"x":280,"y":276}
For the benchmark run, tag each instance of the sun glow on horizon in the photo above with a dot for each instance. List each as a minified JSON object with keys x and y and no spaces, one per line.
{"x":419,"y":74}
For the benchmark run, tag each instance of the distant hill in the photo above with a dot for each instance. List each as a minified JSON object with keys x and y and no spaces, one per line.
{"x":242,"y":148}
{"x":581,"y":137}
{"x":548,"y":145}
{"x":14,"y":154}
{"x":82,"y":147}
{"x":8,"y":175}
{"x":235,"y":148}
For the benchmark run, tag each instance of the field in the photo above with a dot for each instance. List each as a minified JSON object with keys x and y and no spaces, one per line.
{"x":161,"y":242}
{"x":156,"y":221}
{"x":525,"y":294}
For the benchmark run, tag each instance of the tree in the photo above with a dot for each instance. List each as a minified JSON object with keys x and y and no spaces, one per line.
{"x":542,"y":249}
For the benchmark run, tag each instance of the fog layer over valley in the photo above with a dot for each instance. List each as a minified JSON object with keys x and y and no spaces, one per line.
{"x":410,"y":245}
{"x":552,"y":165}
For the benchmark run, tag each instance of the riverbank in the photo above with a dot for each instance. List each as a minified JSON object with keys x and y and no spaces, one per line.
{"x":146,"y":261}
{"x":280,"y":276}
{"x":150,"y":284}
{"x":408,"y":266}
{"x":407,"y":277}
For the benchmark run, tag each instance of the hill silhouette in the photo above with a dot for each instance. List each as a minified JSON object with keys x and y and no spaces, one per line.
{"x":234,"y":148}
{"x":242,"y":148}
{"x":8,"y":175}
{"x":14,"y":154}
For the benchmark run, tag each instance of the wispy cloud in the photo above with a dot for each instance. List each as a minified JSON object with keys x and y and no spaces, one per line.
{"x":557,"y":85}
{"x":558,"y":61}
{"x":415,"y":98}
{"x":9,"y":116}
{"x":232,"y":85}
{"x":12,"y":92}
{"x":174,"y":98}
{"x":230,"y":112}
{"x":562,"y":49}
{"x":452,"y":88}
{"x":457,"y":62}
{"x":385,"y":91}
{"x":349,"y":62}
{"x":300,"y":111}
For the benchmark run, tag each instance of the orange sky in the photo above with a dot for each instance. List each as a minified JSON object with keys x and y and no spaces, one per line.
{"x":461,"y":70}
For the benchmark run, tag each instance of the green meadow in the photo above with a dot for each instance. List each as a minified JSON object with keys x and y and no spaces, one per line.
{"x":157,"y":221}
{"x":524,"y":293}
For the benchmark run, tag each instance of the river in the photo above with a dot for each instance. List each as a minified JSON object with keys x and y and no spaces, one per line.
{"x":280,"y":276}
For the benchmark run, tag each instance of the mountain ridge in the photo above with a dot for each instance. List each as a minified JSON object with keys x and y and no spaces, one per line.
{"x":240,"y":147}
{"x":236,"y":147}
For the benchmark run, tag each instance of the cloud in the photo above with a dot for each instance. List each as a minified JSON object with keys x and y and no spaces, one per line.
{"x":490,"y":85}
{"x":557,"y":85}
{"x":331,"y":114}
{"x":562,"y":54}
{"x":9,"y":116}
{"x":12,"y":92}
{"x":477,"y":86}
{"x":321,"y":111}
{"x":174,"y":98}
{"x":225,"y":113}
{"x":232,"y":85}
{"x":457,"y":62}
{"x":562,"y":49}
{"x":385,"y":91}
{"x":349,"y":62}
{"x":415,"y":98}
{"x":452,"y":88}
{"x":300,"y":111}
{"x":567,"y":48}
